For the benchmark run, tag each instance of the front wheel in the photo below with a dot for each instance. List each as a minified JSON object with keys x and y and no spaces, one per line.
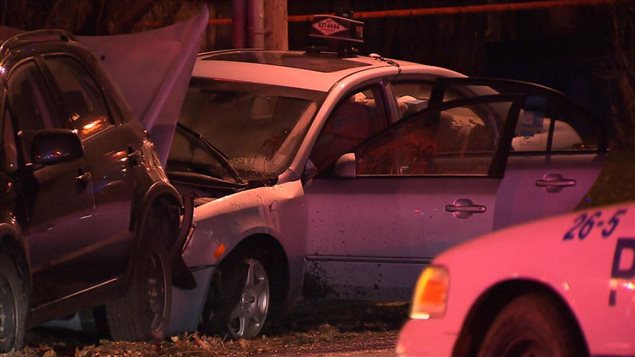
{"x":13,"y":306}
{"x":143,"y":313}
{"x":241,"y":308}
{"x":532,"y":325}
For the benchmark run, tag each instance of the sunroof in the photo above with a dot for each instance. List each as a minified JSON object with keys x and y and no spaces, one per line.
{"x":293,"y":60}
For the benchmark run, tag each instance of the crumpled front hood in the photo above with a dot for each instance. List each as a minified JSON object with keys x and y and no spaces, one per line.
{"x":152,"y":69}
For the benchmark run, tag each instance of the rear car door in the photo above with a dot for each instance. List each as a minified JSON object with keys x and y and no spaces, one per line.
{"x":558,"y":150}
{"x":55,"y":203}
{"x":426,"y":183}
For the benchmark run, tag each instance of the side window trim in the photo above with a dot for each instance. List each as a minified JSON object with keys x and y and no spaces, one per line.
{"x":390,"y":104}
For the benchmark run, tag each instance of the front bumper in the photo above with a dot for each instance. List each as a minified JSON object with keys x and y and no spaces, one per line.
{"x":425,"y":338}
{"x":187,"y":304}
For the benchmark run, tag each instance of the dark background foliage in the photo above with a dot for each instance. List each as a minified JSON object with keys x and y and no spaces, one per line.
{"x":586,"y":52}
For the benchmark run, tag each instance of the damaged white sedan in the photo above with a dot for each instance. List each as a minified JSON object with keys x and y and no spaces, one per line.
{"x":343,"y":176}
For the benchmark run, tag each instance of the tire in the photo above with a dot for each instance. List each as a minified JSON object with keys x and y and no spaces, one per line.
{"x":240,"y":306}
{"x":144,"y":312}
{"x":533,"y":325}
{"x":13,"y":306}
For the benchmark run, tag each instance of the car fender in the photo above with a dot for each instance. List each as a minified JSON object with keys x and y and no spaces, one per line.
{"x":11,"y":234}
{"x":254,"y":210}
{"x":145,"y":200}
{"x":277,"y":211}
{"x":181,"y":275}
{"x":230,"y":220}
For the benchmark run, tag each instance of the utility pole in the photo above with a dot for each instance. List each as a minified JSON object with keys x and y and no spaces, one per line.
{"x":239,"y":13}
{"x":256,"y":24}
{"x":276,"y":25}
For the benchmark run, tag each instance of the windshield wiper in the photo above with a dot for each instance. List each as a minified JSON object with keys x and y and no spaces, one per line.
{"x":222,"y":158}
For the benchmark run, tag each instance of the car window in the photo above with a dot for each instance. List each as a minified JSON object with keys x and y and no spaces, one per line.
{"x":411,"y":96}
{"x":548,"y":124}
{"x":460,"y":140}
{"x":82,"y":96}
{"x":356,"y":118}
{"x":547,"y":121}
{"x":30,"y":104}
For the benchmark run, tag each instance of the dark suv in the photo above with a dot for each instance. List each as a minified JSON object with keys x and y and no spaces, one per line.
{"x":87,"y":215}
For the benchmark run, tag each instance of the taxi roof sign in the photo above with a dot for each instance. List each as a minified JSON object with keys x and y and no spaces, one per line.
{"x":337,"y":28}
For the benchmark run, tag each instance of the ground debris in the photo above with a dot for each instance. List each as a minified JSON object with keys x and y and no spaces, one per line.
{"x":314,"y":329}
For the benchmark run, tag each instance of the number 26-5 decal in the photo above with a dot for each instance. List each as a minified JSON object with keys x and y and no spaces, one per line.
{"x":585,"y":223}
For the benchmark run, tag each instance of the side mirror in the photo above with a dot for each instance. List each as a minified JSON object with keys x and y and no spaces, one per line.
{"x":346,"y":166}
{"x":53,"y":146}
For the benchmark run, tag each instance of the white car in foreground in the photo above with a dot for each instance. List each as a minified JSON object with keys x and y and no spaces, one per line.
{"x":557,"y":287}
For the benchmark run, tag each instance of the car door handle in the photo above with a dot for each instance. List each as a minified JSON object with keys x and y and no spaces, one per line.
{"x":133,"y":156}
{"x":82,"y":179}
{"x":464,"y":208}
{"x":553,"y":182}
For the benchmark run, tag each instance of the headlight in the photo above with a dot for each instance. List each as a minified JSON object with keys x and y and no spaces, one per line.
{"x":431,"y":293}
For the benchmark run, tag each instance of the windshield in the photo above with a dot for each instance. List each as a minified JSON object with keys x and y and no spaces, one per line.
{"x":257,"y":127}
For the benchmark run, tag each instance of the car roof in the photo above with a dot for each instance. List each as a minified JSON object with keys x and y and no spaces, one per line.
{"x":26,"y":44}
{"x":290,"y":68}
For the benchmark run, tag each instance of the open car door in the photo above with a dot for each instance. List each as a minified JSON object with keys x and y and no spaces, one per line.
{"x":422,"y":185}
{"x":557,"y":148}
